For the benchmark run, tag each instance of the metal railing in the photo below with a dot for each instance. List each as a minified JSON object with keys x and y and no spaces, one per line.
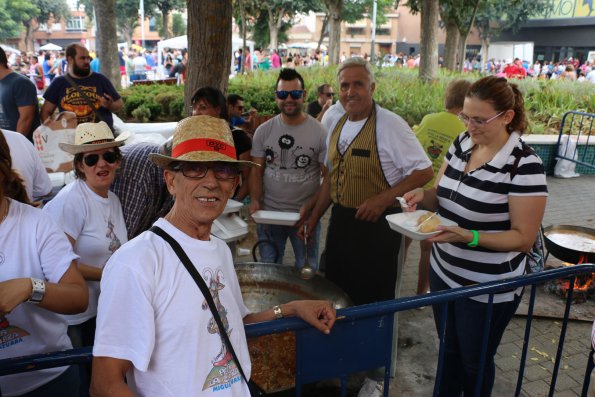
{"x":362,"y":336}
{"x":579,"y":126}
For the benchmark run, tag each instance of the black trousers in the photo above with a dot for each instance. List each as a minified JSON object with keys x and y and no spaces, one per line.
{"x":361,"y":257}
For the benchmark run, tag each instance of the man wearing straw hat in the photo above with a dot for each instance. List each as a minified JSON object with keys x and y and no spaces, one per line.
{"x":151,"y":328}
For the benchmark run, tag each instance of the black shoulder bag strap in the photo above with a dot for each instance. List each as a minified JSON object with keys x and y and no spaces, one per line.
{"x":255,"y":390}
{"x":83,"y":95}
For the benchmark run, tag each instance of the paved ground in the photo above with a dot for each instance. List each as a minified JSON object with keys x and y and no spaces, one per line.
{"x":571,"y":201}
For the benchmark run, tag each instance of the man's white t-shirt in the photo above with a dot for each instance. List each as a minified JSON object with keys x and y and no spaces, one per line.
{"x":43,"y":252}
{"x":140,"y":65}
{"x":26,"y":161}
{"x":152,"y":313}
{"x":399,"y":150}
{"x":97,"y":225}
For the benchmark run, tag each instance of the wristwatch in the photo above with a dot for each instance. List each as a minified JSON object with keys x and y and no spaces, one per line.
{"x":277,"y":311}
{"x":38,"y":291}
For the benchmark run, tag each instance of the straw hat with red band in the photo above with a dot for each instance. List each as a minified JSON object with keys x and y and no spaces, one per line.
{"x":201,"y":138}
{"x":93,"y":136}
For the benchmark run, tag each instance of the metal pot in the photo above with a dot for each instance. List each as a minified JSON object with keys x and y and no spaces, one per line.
{"x":264,"y":285}
{"x":573,"y":244}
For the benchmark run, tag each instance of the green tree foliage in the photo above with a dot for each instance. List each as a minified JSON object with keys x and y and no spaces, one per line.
{"x":164,"y":8}
{"x":178,"y":25}
{"x":128,"y":18}
{"x":10,"y":25}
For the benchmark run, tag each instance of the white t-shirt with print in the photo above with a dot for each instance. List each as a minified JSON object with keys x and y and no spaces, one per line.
{"x":152,"y":313}
{"x":399,"y":151}
{"x":97,"y":225}
{"x":45,"y":253}
{"x":26,"y":161}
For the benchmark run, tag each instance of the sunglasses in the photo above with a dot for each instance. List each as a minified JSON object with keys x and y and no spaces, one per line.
{"x":295,"y":94}
{"x":199,"y":170}
{"x":329,"y":94}
{"x":92,"y":159}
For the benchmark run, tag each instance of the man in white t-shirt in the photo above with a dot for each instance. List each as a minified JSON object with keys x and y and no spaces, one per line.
{"x":139,"y":64}
{"x":155,"y":333}
{"x":26,"y":161}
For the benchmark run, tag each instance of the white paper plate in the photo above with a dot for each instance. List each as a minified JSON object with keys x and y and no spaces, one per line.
{"x":406,"y":224}
{"x":276,"y":217}
{"x":232,"y":206}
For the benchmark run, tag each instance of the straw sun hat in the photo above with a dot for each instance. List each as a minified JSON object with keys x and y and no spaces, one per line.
{"x":201,"y":138}
{"x":93,"y":136}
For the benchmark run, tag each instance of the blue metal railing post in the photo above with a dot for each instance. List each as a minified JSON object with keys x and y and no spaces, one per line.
{"x":562,"y":335}
{"x":519,"y":382}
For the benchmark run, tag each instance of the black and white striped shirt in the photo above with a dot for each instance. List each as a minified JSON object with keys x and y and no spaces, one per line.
{"x":478,"y":200}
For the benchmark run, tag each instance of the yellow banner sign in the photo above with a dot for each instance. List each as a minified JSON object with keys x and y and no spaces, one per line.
{"x":568,"y":9}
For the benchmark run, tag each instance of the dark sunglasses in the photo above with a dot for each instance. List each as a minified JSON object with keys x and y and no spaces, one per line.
{"x":329,"y":94}
{"x":295,"y":94}
{"x":92,"y":159}
{"x":199,"y":170}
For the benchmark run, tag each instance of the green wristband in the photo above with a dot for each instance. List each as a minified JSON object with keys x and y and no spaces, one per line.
{"x":473,"y":243}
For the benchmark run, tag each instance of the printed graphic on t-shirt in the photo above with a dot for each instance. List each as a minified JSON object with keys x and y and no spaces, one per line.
{"x":73,"y":102}
{"x":434,"y":150}
{"x":9,"y":334}
{"x":225,"y":371}
{"x":114,"y":240}
{"x":291,"y":157}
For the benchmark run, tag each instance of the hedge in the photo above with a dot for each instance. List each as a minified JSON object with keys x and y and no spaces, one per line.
{"x":399,"y":90}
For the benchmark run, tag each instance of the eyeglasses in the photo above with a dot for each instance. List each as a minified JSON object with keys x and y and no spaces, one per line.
{"x":199,"y":170}
{"x":477,"y":122}
{"x":329,"y":94}
{"x":92,"y":159}
{"x":295,"y":94}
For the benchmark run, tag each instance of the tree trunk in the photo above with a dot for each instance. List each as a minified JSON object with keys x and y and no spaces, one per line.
{"x":428,"y":63}
{"x":107,"y":40}
{"x":28,"y":36}
{"x":485,"y":44}
{"x":244,"y":49}
{"x":275,"y":23}
{"x":464,"y":31}
{"x":209,"y":46}
{"x":334,"y":35}
{"x":322,"y":32}
{"x":451,"y":45}
{"x":167,"y":33}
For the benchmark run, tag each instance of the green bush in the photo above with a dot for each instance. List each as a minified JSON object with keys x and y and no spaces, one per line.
{"x":141,"y":114}
{"x":165,"y":98}
{"x":398,"y":90}
{"x":177,"y":109}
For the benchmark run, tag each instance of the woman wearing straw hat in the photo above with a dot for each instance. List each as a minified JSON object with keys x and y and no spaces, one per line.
{"x":153,"y":321}
{"x":39,"y":279}
{"x":90,"y":214}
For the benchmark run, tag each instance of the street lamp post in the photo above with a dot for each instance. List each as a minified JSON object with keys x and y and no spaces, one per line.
{"x":142,"y":21}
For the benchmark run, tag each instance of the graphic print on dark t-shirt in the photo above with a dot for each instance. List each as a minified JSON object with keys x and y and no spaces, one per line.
{"x":72,"y":102}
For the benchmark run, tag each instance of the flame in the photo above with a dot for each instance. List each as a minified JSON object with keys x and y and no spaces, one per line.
{"x":581,"y":283}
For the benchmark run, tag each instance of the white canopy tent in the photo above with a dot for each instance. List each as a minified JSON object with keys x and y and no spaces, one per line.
{"x":181,"y":42}
{"x":8,"y":48}
{"x":50,"y":47}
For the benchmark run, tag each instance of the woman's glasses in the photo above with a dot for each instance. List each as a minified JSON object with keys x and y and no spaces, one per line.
{"x":91,"y":159}
{"x":477,"y":122}
{"x":199,"y":170}
{"x":295,"y":94}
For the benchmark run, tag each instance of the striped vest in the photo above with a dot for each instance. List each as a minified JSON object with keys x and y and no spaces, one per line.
{"x":357,"y":174}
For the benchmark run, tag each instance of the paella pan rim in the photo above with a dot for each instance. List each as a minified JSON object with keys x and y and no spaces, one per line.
{"x":564,"y":253}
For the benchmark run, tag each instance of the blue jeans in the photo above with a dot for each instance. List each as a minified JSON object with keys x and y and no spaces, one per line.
{"x":464,"y":326}
{"x":278,"y":235}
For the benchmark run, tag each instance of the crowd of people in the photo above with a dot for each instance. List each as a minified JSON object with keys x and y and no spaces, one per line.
{"x":101,"y":250}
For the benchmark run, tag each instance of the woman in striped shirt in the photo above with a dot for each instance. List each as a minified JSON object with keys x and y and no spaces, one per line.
{"x":494,"y":187}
